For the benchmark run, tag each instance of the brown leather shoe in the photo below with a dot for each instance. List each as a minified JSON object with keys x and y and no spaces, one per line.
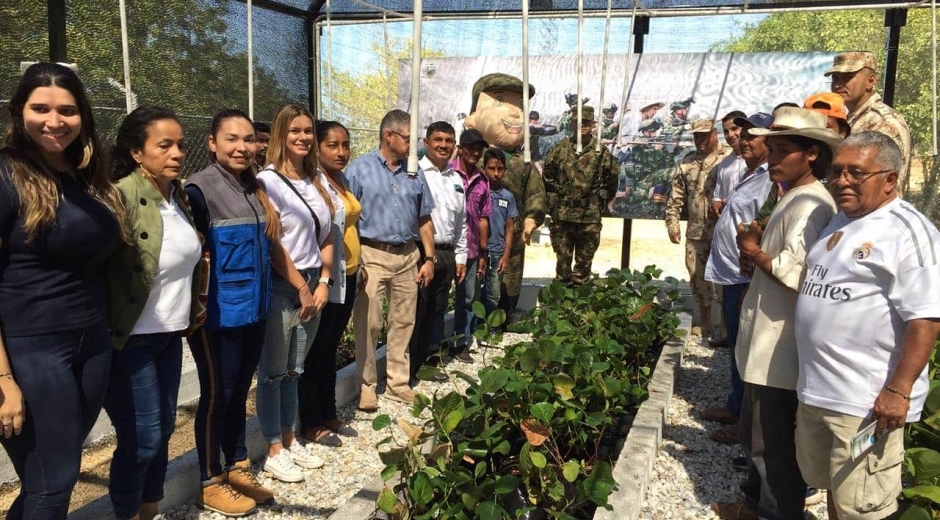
{"x":217,"y":495}
{"x":734,"y":511}
{"x":241,"y":478}
{"x":718,"y":414}
{"x":726,"y":434}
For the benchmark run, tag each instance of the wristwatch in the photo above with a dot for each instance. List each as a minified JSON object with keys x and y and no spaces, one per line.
{"x":432,"y":259}
{"x":327,"y":280}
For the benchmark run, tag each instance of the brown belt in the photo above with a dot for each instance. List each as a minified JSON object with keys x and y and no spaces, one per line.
{"x":395,"y":249}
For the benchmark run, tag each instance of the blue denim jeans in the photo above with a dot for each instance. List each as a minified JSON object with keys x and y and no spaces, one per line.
{"x":141,"y":401}
{"x":491,"y":283}
{"x":226,"y":360}
{"x":731,"y":312}
{"x":286,"y":342}
{"x":463,"y":304}
{"x":63,"y":377}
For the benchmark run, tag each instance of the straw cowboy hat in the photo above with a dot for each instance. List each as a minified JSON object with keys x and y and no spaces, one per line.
{"x":801,"y":122}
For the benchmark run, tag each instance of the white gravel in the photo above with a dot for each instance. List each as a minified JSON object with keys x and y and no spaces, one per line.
{"x":691,"y":470}
{"x":349,"y":467}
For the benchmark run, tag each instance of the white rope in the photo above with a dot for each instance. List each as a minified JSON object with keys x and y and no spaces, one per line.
{"x":628,"y":70}
{"x":933,"y":39}
{"x":329,"y":62}
{"x":251,"y":71}
{"x":125,"y":49}
{"x":600,"y":102}
{"x":415,"y":88}
{"x":526,"y":140}
{"x":577,"y":124}
{"x":387,"y":59}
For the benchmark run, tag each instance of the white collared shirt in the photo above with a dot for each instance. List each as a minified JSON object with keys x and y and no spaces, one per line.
{"x":730,"y":170}
{"x":450,"y":207}
{"x":745,"y":201}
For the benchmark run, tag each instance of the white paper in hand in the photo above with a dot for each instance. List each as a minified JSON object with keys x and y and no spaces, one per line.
{"x":863,"y":440}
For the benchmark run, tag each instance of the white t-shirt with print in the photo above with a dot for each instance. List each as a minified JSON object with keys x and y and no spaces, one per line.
{"x":865,"y":278}
{"x":297,"y":226}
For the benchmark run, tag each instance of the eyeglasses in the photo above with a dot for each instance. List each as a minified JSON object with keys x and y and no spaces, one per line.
{"x":853,"y":176}
{"x":406,"y":138}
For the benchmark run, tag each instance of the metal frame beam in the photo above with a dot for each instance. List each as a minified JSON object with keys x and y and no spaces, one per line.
{"x":894,"y":20}
{"x":58,"y":42}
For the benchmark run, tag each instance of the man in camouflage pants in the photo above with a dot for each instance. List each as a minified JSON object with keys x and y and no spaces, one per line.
{"x":692,"y":187}
{"x":578,"y":187}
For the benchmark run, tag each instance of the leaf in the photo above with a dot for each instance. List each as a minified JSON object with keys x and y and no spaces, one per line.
{"x":421,"y":489}
{"x":931,"y":493}
{"x":599,"y":483}
{"x":392,"y":456}
{"x":534,"y":432}
{"x":381,"y":421}
{"x":412,"y":431}
{"x":563,"y":386}
{"x":538,"y":460}
{"x":387,"y":500}
{"x":915,"y":512}
{"x":543,"y":411}
{"x":926,"y":462}
{"x":490,"y":511}
{"x":571,"y":470}
{"x":479,"y":310}
{"x":506,"y":484}
{"x":530,"y":360}
{"x":428,"y":373}
{"x":388,"y":473}
{"x":493,"y":380}
{"x":496,"y":318}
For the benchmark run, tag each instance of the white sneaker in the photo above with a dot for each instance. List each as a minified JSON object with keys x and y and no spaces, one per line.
{"x":283,"y":468}
{"x":303,"y":458}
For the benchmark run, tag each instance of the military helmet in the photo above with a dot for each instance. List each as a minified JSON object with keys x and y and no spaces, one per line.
{"x":572,"y":99}
{"x":679,"y":105}
{"x":612,"y":107}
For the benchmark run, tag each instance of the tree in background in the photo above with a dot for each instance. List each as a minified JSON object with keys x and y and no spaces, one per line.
{"x":362,"y":98}
{"x":864,"y":30}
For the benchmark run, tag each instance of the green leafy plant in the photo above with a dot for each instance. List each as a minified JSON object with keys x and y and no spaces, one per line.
{"x":922,"y":453}
{"x":534,"y":434}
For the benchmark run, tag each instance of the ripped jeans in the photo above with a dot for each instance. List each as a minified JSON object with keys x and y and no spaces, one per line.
{"x":286,"y":342}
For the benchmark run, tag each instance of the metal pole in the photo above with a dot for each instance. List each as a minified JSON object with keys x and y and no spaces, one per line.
{"x":313,"y":81}
{"x":415,"y":88}
{"x":600,"y":101}
{"x":933,"y":43}
{"x":639,"y":31}
{"x":627,"y":71}
{"x":125,"y":51}
{"x":329,"y":62}
{"x":526,"y":152}
{"x":55,"y":16}
{"x":251,"y":70}
{"x":894,"y":20}
{"x":577,"y":122}
{"x":387,"y":58}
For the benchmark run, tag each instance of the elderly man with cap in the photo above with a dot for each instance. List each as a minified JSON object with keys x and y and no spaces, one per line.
{"x":578,"y":187}
{"x":800,"y":155}
{"x":867,"y":318}
{"x":724,"y":260}
{"x":476,"y":192}
{"x":690,"y":186}
{"x":854,"y":75}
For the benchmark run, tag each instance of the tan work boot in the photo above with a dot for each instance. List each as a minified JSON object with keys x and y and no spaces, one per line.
{"x":368,"y":402}
{"x":244,"y":481}
{"x":217,"y":495}
{"x":148,"y":510}
{"x":406,"y":395}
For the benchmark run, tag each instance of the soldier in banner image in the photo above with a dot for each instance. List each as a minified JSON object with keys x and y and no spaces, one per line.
{"x":565,"y":123}
{"x":578,"y":187}
{"x":537,"y":130}
{"x":610,"y":127}
{"x":677,"y":123}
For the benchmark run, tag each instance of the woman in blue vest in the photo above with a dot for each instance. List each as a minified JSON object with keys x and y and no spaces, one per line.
{"x":153,"y":285}
{"x":60,"y":218}
{"x":241,"y":229}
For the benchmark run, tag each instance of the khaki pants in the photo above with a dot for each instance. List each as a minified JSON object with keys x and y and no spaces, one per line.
{"x":391,"y":275}
{"x":696,"y":256}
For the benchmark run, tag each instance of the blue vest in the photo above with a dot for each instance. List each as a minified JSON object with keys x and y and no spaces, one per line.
{"x":240,"y":283}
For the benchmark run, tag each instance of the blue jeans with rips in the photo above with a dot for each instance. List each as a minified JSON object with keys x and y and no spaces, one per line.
{"x":141,"y":401}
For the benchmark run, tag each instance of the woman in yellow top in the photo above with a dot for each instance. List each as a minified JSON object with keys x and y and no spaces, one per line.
{"x":317,"y":390}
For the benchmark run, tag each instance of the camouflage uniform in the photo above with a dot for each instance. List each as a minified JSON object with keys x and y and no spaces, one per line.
{"x":578,"y":189}
{"x":525,"y":184}
{"x":692,"y":187}
{"x":564,"y":124}
{"x":876,"y":116}
{"x":674,"y":126}
{"x":609,"y":128}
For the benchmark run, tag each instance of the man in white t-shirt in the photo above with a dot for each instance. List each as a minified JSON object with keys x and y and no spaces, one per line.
{"x":867,"y":318}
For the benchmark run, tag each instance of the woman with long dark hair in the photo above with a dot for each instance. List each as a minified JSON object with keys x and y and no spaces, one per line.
{"x":153,"y":283}
{"x":318,"y":418}
{"x":242,"y":230}
{"x":60,"y":219}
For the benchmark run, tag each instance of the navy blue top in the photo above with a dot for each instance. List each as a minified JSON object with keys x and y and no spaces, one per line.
{"x":55,"y":282}
{"x":392,"y":200}
{"x":504,"y":208}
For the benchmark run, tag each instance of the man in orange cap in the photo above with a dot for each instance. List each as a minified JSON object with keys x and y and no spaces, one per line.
{"x":833,"y":107}
{"x":854,"y":75}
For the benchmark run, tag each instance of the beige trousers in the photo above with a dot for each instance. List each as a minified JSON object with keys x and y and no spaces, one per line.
{"x":391,"y":275}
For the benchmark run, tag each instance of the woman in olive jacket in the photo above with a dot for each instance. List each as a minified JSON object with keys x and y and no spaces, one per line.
{"x":154,"y":284}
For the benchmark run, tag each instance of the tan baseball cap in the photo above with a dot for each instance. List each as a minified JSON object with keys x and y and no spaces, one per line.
{"x":703,"y":126}
{"x":852,"y":62}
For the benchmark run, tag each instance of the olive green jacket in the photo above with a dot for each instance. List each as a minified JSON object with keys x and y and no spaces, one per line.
{"x":132,"y":268}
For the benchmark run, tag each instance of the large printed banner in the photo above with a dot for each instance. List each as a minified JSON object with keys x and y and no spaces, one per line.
{"x":650,"y":133}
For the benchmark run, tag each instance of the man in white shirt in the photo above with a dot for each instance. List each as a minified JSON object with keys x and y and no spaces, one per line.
{"x":724,"y":267}
{"x":450,"y":244}
{"x":867,"y":317}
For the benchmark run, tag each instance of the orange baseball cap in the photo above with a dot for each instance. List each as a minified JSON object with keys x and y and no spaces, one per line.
{"x":829,"y":104}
